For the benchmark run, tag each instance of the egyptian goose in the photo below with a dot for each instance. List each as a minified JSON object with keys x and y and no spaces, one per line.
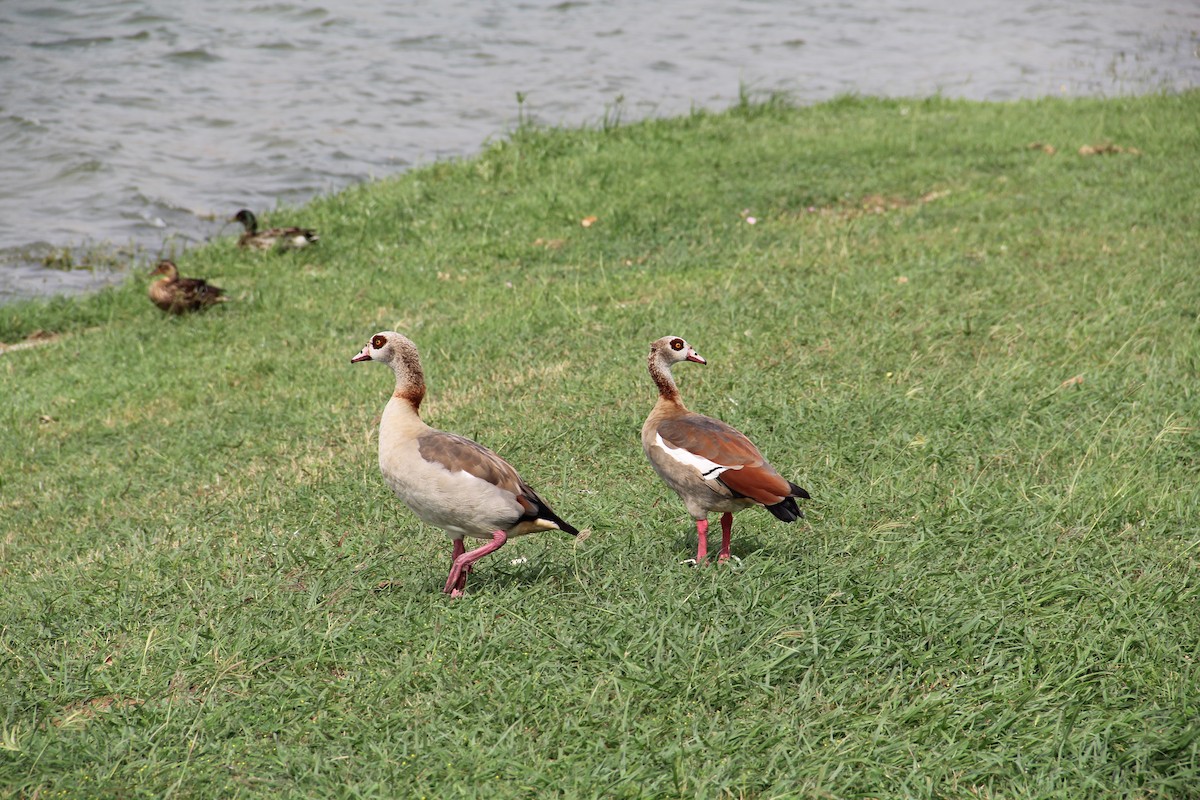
{"x":449,"y":481}
{"x":710,"y":465}
{"x":279,"y":238}
{"x":177,"y":295}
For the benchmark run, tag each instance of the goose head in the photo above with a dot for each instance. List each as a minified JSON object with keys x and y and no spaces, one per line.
{"x":399,"y":353}
{"x":671,"y":350}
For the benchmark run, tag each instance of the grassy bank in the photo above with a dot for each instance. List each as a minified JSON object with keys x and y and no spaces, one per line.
{"x":981,"y":358}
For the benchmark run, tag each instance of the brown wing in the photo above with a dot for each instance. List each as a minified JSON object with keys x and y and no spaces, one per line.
{"x":194,"y":293}
{"x":198,"y":291}
{"x":285,"y":238}
{"x":291,"y":233}
{"x":748,"y":473}
{"x":460,"y":454}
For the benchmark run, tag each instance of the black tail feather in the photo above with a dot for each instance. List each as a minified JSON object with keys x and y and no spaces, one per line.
{"x":537,"y":508}
{"x":787,"y":509}
{"x":545,"y":512}
{"x":562,"y":524}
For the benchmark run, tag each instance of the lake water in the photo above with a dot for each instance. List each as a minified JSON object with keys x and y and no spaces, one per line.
{"x":142,"y":125}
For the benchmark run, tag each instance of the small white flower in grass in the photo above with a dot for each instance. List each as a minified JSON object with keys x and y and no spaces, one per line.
{"x":517,"y":561}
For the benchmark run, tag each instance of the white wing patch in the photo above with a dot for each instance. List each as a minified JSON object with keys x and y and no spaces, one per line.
{"x":707,"y":469}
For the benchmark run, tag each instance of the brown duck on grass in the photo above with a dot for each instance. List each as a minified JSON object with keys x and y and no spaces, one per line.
{"x":710,"y":465}
{"x":177,"y":295}
{"x":271,"y":238}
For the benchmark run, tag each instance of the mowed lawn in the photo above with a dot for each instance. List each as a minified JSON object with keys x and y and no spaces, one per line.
{"x":974,"y":343}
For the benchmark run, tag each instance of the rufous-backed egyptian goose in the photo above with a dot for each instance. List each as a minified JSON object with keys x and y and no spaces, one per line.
{"x":449,"y":481}
{"x":278,"y":238}
{"x":177,"y":295}
{"x":710,"y":465}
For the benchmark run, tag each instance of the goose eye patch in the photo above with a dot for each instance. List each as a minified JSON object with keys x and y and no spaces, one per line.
{"x":378,"y":342}
{"x":677,"y":344}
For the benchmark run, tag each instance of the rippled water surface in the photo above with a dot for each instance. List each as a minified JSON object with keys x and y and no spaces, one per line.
{"x":145,"y":124}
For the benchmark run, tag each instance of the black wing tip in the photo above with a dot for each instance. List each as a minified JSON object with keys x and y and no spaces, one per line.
{"x":563,"y":525}
{"x":786,"y":510}
{"x":543,"y":511}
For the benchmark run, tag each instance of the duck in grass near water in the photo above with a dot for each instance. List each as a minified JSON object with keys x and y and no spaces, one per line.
{"x":271,"y":238}
{"x":177,"y":295}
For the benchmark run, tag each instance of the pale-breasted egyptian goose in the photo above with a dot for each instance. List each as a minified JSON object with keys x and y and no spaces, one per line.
{"x":277,"y":238}
{"x":449,"y":481}
{"x":710,"y":465}
{"x":177,"y":295}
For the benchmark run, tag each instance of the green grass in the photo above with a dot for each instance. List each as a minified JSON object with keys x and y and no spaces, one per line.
{"x":981,"y":359}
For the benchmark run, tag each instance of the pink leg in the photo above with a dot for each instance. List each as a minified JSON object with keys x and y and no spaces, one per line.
{"x":459,"y":549}
{"x":726,"y":532}
{"x":463,"y":561}
{"x":701,"y":541}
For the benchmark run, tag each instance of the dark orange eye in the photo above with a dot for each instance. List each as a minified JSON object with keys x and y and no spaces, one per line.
{"x":378,"y":342}
{"x":677,"y":344}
